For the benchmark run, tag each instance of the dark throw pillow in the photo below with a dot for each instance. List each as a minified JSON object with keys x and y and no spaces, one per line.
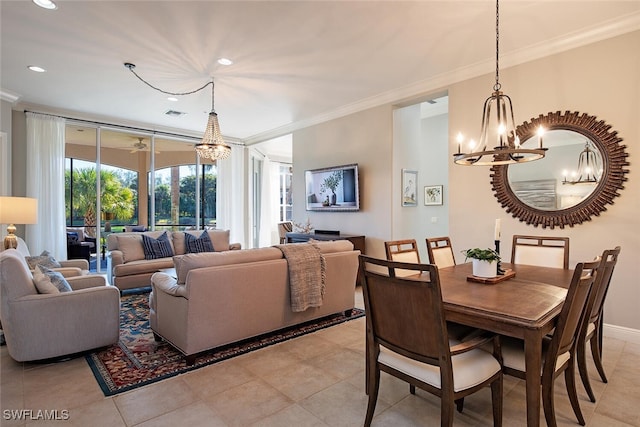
{"x":73,"y":238}
{"x":139,"y":228}
{"x":156,"y":248}
{"x":193,"y":244}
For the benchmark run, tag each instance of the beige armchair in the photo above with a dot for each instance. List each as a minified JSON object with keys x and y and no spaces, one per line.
{"x":70,"y":268}
{"x":42,"y":326}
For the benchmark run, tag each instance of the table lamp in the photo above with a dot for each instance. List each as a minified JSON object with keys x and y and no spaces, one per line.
{"x":17,"y":210}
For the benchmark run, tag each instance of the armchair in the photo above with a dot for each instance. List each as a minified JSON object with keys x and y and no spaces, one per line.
{"x":42,"y":326}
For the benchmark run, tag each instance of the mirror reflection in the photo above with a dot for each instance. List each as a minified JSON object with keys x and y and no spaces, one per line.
{"x":566,"y":176}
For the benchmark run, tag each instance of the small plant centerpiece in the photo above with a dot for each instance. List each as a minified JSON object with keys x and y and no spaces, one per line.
{"x":331,"y":183}
{"x":485,"y":261}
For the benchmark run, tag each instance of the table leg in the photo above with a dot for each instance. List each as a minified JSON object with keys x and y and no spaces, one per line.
{"x":533,"y":368}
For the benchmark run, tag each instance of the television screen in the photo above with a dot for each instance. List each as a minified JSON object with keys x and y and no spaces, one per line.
{"x":332,"y":189}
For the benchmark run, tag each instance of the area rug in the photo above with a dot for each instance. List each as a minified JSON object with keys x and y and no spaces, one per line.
{"x":138,"y":360}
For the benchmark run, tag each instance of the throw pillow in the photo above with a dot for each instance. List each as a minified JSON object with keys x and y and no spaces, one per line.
{"x":50,"y":282}
{"x":139,"y":228}
{"x":73,"y":238}
{"x":45,"y":259}
{"x":156,"y":248}
{"x":193,"y":244}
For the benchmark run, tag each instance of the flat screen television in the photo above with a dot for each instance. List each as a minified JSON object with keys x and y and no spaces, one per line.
{"x":332,"y":189}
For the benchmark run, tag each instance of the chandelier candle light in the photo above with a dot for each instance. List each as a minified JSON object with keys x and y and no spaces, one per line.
{"x":498,"y":127}
{"x":212,"y":145}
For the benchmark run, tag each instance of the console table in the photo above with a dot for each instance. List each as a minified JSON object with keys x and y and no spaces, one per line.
{"x":358,"y":241}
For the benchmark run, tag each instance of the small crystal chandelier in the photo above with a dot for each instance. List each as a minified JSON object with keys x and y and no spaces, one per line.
{"x":498,"y":127}
{"x":212,"y":145}
{"x":589,"y":167}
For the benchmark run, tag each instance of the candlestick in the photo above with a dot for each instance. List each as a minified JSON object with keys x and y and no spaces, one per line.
{"x":499,"y":269}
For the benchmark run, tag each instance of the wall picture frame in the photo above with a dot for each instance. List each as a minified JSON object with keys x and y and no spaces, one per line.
{"x":409,"y":188}
{"x":433,"y":195}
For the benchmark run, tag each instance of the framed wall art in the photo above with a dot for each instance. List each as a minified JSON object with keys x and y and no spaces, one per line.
{"x":409,"y":188}
{"x":432,"y":195}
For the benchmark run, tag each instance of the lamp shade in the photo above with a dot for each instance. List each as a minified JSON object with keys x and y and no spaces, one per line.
{"x":18,"y":210}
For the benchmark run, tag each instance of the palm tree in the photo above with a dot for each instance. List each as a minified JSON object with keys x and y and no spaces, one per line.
{"x":114,"y":198}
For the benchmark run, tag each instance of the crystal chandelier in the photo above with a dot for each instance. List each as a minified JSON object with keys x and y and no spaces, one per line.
{"x":498,"y":127}
{"x":212,"y":145}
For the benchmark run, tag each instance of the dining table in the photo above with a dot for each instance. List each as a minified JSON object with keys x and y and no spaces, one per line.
{"x":524,"y":306}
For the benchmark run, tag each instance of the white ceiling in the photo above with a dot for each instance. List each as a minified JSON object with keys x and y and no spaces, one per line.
{"x":295,"y":62}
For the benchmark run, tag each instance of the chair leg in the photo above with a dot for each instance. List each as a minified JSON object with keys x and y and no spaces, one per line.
{"x":373,"y":384}
{"x":412,"y":389}
{"x":582,"y":368}
{"x":570,"y":381}
{"x":460,"y":404}
{"x":596,"y":351}
{"x":496,"y":401}
{"x":446,"y":411}
{"x":548,"y":403}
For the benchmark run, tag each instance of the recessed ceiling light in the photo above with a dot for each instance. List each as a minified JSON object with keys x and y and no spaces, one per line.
{"x":172,"y":99}
{"x":36,"y":69}
{"x":47,"y":4}
{"x":225,"y":61}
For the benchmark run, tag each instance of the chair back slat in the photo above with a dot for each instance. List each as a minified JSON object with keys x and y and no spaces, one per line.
{"x":440,"y":251}
{"x":539,"y":250}
{"x":574,"y":308}
{"x":402,"y":251}
{"x":405,"y":314}
{"x":603,"y":279}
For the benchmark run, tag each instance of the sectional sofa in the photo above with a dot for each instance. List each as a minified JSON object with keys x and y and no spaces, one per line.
{"x":127,"y":267}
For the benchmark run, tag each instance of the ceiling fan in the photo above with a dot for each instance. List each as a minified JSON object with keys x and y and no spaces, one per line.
{"x":140,"y":146}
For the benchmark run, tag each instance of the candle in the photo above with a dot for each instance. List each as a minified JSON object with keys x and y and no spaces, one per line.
{"x":496,"y":231}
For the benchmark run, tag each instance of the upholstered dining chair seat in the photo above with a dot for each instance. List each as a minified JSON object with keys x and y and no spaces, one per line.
{"x":469,"y":369}
{"x":513,"y":354}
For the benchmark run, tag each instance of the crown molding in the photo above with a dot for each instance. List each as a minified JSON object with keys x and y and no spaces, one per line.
{"x":603,"y":31}
{"x":11,"y":97}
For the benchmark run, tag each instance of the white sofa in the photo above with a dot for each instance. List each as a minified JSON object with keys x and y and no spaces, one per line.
{"x":127,"y":267}
{"x":220,"y":298}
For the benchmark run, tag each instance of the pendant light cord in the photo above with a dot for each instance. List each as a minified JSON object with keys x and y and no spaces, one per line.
{"x":131,"y":67}
{"x":497,"y":86}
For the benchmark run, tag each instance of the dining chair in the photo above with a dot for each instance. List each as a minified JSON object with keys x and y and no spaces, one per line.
{"x":402,"y":251}
{"x":407,"y":338}
{"x":591,"y":331}
{"x":440,"y":252}
{"x":559,"y":349}
{"x":539,"y":250}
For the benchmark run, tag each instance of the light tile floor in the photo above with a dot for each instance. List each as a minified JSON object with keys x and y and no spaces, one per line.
{"x":314,"y":380}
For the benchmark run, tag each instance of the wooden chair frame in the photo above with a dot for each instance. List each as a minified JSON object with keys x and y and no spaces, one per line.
{"x":565,"y":338}
{"x":439,"y":243}
{"x":594,"y":317}
{"x":542,"y":242}
{"x":395,"y":247}
{"x":406,"y":316}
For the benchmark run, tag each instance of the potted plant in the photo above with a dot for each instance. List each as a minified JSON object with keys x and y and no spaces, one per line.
{"x":485,"y":261}
{"x":331,"y":183}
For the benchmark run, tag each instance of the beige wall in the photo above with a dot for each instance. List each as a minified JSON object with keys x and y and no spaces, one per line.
{"x":363,"y":138}
{"x":602,"y":79}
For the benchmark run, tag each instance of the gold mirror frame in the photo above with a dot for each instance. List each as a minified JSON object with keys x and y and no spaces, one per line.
{"x":614,"y":160}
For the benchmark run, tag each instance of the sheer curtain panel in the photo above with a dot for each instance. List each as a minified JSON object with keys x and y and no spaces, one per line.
{"x":230,"y":195}
{"x":45,"y":182}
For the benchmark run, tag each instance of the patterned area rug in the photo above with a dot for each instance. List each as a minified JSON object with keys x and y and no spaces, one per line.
{"x":138,"y":360}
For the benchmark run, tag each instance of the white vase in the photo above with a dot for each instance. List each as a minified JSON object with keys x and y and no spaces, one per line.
{"x":482,"y":268}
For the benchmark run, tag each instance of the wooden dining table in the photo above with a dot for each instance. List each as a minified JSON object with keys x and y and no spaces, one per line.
{"x":525,"y":306}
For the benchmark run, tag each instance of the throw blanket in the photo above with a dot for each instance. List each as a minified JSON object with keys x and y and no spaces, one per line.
{"x":306,"y":275}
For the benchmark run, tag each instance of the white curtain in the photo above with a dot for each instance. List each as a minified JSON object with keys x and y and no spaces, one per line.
{"x":269,"y":203}
{"x":230,"y":195}
{"x":45,"y":182}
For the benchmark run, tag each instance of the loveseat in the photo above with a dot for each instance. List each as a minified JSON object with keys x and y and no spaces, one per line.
{"x":220,"y":298}
{"x":127,"y":267}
